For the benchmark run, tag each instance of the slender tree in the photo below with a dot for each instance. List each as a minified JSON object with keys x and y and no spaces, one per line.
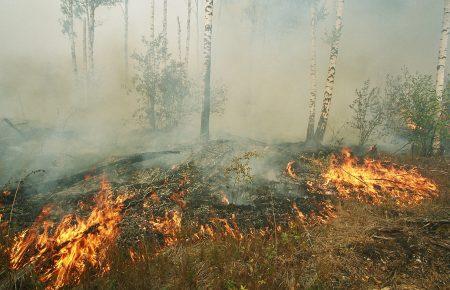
{"x":440,"y":75}
{"x":179,"y":37}
{"x":152,"y":64}
{"x":85,"y":64}
{"x":204,"y":130}
{"x":313,"y":73}
{"x":329,"y":87}
{"x":67,"y":8}
{"x":164,"y":31}
{"x":90,"y":6}
{"x":125,"y":45}
{"x":188,"y":32}
{"x":152,"y":20}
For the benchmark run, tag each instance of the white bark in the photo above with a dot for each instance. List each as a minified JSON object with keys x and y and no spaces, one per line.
{"x":188,"y":33}
{"x":152,"y":20}
{"x":125,"y":45}
{"x":440,"y":75}
{"x":72,"y":39}
{"x":329,"y":87}
{"x":164,"y":31}
{"x":313,"y":73}
{"x":204,"y":131}
{"x":179,"y":38}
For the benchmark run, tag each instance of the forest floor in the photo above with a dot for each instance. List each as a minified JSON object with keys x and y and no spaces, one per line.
{"x":233,"y":215}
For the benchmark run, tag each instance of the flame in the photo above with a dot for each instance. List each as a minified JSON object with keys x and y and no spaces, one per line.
{"x":224,"y":200}
{"x":290,"y":171}
{"x":219,"y":228}
{"x":169,"y":226}
{"x":375,"y":182}
{"x":61,"y":253}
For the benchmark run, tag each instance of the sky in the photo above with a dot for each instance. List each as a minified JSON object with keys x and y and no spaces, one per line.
{"x":265,"y":67}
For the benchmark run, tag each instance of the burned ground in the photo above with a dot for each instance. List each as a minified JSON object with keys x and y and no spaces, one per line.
{"x":229,"y":214}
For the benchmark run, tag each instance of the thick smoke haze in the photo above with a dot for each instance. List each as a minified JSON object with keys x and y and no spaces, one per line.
{"x":263,"y":62}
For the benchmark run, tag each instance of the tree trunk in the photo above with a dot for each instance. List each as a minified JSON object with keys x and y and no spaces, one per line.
{"x":313,"y":74}
{"x":152,"y":64}
{"x":152,"y":20}
{"x":91,"y":32}
{"x":204,"y":130}
{"x":72,"y":40}
{"x":85,"y":60}
{"x":85,"y":65}
{"x":328,"y":94}
{"x":179,"y":38}
{"x":164,"y":32}
{"x":188,"y":33}
{"x":440,"y":76}
{"x":197,"y":27}
{"x":125,"y":45}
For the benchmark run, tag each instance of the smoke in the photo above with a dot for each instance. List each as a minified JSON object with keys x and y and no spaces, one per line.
{"x":260,"y":53}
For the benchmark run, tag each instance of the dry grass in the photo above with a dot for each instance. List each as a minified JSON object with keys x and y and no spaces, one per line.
{"x":365,"y":247}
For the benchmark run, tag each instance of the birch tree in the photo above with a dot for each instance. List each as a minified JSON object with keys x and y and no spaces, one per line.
{"x":329,"y":87}
{"x":316,"y":15}
{"x":204,"y":130}
{"x":125,"y":45}
{"x":152,"y":63}
{"x":164,"y":31}
{"x":67,"y":8}
{"x":90,"y":6}
{"x":188,"y":32}
{"x":179,"y":37}
{"x":440,"y":75}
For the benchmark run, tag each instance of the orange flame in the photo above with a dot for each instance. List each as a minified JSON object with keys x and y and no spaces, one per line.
{"x":62,"y":253}
{"x":290,"y":170}
{"x":375,"y":182}
{"x":169,"y":226}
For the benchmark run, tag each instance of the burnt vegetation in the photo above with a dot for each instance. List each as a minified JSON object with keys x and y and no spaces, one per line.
{"x":339,"y":210}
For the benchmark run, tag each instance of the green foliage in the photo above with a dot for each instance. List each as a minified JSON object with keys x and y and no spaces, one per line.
{"x":368,"y":112}
{"x":412,"y":109}
{"x":163,"y":85}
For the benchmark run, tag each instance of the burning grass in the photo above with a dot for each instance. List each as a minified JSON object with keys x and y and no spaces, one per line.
{"x":177,"y":229}
{"x":376,"y":182}
{"x":61,"y":252}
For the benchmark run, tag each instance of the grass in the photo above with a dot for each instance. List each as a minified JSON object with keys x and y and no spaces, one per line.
{"x":365,"y":247}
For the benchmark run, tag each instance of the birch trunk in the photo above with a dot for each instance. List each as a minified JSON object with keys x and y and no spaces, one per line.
{"x":440,"y":75}
{"x":329,"y":87}
{"x":179,"y":38}
{"x":152,"y":20}
{"x":85,"y":60}
{"x":85,"y":65}
{"x":204,"y":130}
{"x":188,"y":32}
{"x":164,"y":32}
{"x":72,"y":40}
{"x":125,"y":45}
{"x":152,"y":92}
{"x":197,"y":27}
{"x":91,"y":33}
{"x":313,"y":74}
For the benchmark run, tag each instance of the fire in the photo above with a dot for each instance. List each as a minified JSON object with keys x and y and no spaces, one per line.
{"x":375,"y":182}
{"x":224,"y":200}
{"x":169,"y":226}
{"x":290,"y":170}
{"x":61,"y":253}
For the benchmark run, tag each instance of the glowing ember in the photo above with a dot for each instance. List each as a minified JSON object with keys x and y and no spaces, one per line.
{"x":224,"y":200}
{"x":169,"y":226}
{"x":61,"y":253}
{"x":374,"y":182}
{"x":290,"y":171}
